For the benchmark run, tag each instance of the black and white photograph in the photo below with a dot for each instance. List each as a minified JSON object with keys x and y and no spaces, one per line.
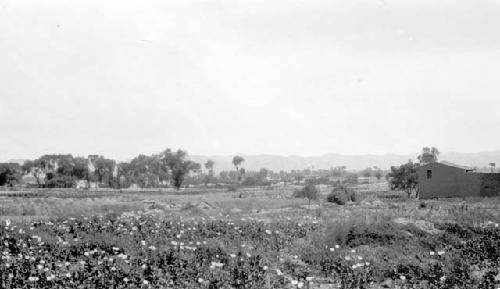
{"x":249,"y":144}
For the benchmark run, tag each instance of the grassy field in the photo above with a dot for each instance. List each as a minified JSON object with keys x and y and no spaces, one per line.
{"x":251,"y":238}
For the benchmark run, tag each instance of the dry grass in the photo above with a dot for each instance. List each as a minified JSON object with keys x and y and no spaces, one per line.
{"x":375,"y":203}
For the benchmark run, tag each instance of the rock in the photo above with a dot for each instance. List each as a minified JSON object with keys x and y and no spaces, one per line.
{"x":476,"y":272}
{"x":421,"y":224}
{"x":388,"y":283}
{"x":205,"y":205}
{"x":365,"y":203}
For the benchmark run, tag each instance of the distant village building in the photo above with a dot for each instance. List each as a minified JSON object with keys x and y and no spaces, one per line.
{"x":448,"y":180}
{"x":82,"y":184}
{"x":91,"y":163}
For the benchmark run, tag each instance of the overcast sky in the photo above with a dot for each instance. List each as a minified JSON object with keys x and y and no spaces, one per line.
{"x":120,"y":78}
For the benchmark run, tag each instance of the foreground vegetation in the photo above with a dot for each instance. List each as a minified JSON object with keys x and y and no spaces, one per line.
{"x":158,"y":250}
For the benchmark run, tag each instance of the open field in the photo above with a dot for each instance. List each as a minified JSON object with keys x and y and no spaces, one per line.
{"x":251,"y":238}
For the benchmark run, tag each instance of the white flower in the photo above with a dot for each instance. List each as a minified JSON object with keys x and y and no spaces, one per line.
{"x":145,"y":282}
{"x":332,"y":249}
{"x":309,"y":278}
{"x":143,"y":243}
{"x":300,"y":284}
{"x":432,"y":253}
{"x":68,"y":275}
{"x":337,"y":246}
{"x":233,"y":256}
{"x":440,"y":252}
{"x":200,"y":280}
{"x":402,"y":277}
{"x":294,"y":282}
{"x":265,"y":267}
{"x":33,"y":278}
{"x":217,"y":264}
{"x":268,"y":232}
{"x":278,"y":272}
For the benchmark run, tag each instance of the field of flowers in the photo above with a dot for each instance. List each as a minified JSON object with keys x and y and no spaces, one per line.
{"x":166,"y":251}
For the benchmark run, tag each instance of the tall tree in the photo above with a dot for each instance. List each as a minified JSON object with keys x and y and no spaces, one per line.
{"x":104,"y":171}
{"x":262,"y":175}
{"x":428,"y":155}
{"x":81,"y":168}
{"x":404,"y":178}
{"x":176,"y":163}
{"x":209,"y":165}
{"x":310,"y":192}
{"x":10,"y":174}
{"x":237,"y":161}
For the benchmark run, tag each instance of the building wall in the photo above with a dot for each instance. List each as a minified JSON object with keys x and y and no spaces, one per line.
{"x":448,"y":181}
{"x":490,"y":185}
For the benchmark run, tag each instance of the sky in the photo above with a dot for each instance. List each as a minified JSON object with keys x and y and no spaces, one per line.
{"x":121,"y":78}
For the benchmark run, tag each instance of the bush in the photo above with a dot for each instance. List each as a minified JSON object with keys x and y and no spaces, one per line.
{"x":351,"y":178}
{"x":336,"y":233}
{"x":341,"y":195}
{"x":232,"y":188}
{"x":309,"y":191}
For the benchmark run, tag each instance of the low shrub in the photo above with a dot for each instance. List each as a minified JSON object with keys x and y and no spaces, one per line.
{"x":377,"y":234}
{"x":232,"y":188}
{"x":341,"y":195}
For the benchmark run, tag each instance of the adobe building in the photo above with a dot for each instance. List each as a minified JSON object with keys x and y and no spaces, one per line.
{"x":447,"y":180}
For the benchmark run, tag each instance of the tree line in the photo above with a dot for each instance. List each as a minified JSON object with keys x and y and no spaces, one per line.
{"x":165,"y":169}
{"x":168,"y":168}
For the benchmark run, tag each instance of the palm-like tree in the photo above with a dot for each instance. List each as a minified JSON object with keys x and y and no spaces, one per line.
{"x":237,"y":160}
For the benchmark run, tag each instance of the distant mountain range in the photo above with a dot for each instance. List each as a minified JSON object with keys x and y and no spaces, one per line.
{"x":352,"y":162}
